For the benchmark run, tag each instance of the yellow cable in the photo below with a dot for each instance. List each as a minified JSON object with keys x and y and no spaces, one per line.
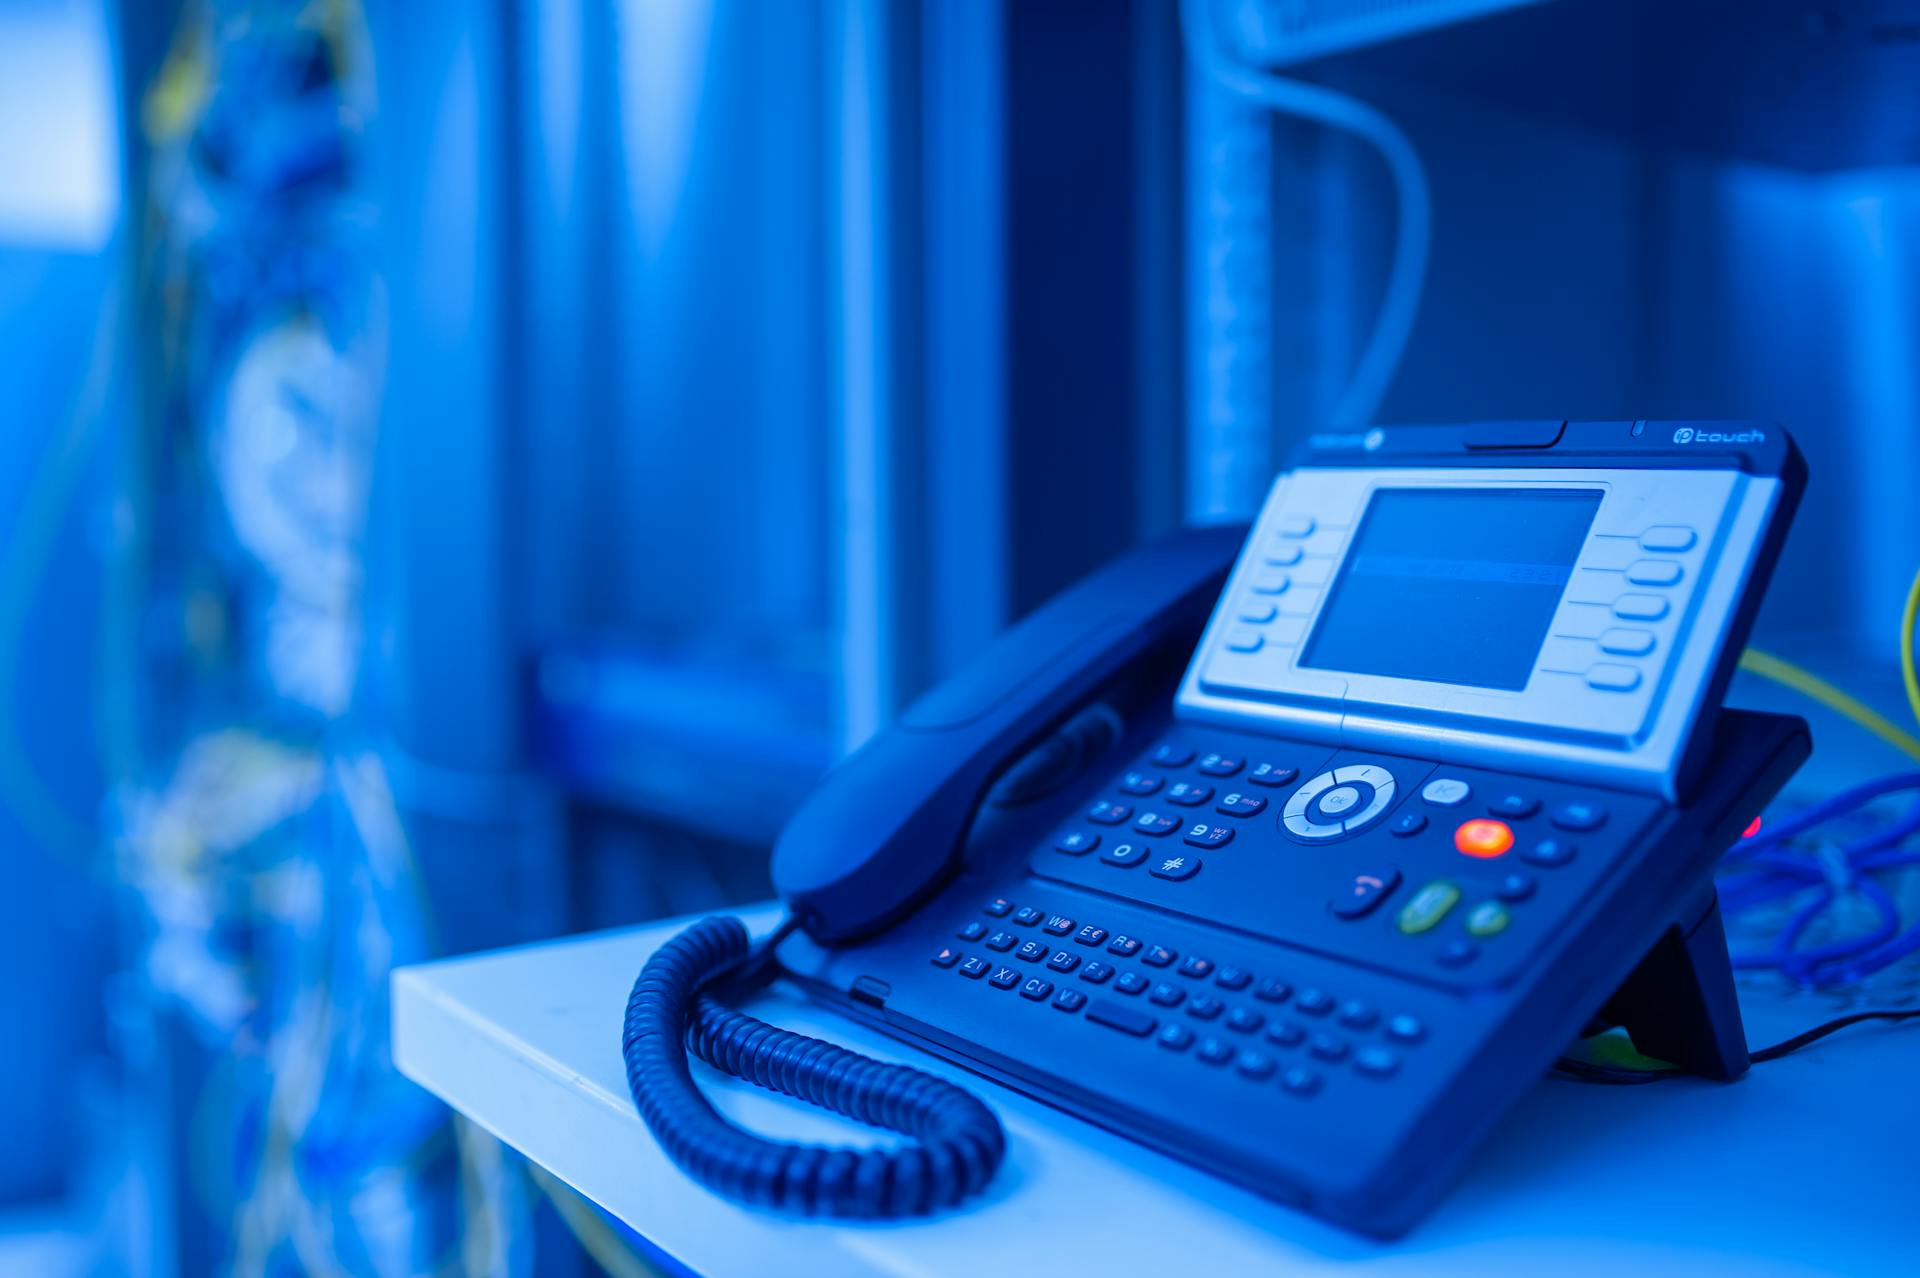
{"x":1907,"y":620}
{"x":1810,"y":685}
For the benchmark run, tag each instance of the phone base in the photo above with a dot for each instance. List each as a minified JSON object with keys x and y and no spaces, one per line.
{"x":1680,"y":1005}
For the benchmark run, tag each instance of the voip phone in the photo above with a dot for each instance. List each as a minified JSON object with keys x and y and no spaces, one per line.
{"x":1298,"y":853}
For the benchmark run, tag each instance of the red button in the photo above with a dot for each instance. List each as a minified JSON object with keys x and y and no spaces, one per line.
{"x":1483,"y":838}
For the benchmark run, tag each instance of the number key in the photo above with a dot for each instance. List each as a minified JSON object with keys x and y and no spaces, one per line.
{"x":1188,"y":794}
{"x":1219,"y":765}
{"x":1156,"y":824}
{"x":1242,"y":805}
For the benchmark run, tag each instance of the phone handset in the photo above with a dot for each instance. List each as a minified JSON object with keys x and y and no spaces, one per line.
{"x":879,"y":837}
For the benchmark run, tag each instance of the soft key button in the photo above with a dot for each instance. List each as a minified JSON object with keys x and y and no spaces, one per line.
{"x":1447,"y":792}
{"x":1295,"y":526}
{"x":1653,"y":572}
{"x":1283,"y":554}
{"x":1627,"y":643}
{"x":1608,"y":677}
{"x":1271,"y":583}
{"x":1667,"y":537}
{"x":1244,"y":640}
{"x":1639,"y":607}
{"x":1258,"y":611}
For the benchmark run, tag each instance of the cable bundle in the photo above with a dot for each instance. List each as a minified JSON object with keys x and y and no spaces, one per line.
{"x":1765,"y":868}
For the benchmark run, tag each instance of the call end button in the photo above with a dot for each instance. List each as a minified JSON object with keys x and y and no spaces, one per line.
{"x":1483,"y":838}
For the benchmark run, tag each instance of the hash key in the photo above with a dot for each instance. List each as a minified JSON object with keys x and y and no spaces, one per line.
{"x":1174,"y":867}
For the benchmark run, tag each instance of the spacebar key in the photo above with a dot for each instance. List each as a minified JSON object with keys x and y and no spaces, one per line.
{"x":1117,"y":1016}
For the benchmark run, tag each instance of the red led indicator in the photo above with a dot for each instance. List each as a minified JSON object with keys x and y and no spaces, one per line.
{"x":1752,"y":829}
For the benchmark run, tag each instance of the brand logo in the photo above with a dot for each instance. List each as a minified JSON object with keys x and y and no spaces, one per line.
{"x":1688,"y":435}
{"x":1371,"y":441}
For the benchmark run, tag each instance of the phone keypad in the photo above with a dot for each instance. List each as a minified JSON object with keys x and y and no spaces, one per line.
{"x":1258,"y":1029}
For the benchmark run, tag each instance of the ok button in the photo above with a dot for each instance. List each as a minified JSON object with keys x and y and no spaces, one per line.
{"x":1334,"y":803}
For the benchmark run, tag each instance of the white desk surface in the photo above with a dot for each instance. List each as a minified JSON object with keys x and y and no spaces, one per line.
{"x":1810,"y":1165}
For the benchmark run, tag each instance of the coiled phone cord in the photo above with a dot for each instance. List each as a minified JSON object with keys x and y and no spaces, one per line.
{"x":957,"y":1142}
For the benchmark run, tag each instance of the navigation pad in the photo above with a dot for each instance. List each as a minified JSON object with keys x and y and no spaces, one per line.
{"x":1343,"y":800}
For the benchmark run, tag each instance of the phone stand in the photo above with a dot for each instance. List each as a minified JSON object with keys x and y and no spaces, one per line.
{"x":1680,"y":1005}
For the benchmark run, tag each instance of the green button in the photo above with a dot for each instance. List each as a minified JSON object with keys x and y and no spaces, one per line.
{"x":1489,"y":918}
{"x":1428,"y":907}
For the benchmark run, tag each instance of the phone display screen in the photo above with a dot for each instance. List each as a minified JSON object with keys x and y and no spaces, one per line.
{"x":1453,"y":586}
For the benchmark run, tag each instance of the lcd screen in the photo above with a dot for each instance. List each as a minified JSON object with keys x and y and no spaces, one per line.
{"x":1452,"y":585}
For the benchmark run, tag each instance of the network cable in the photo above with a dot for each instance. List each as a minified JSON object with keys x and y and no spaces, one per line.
{"x":1761,"y":869}
{"x":1909,"y":617}
{"x":1336,"y":110}
{"x":1788,"y":675}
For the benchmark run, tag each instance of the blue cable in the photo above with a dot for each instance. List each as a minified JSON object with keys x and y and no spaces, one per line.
{"x":1336,"y":110}
{"x":1767,"y":871}
{"x":957,"y":1143}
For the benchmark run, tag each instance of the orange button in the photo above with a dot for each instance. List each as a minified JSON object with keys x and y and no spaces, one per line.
{"x":1483,"y":838}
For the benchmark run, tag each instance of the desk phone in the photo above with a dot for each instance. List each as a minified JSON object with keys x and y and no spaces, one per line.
{"x":1300,"y":853}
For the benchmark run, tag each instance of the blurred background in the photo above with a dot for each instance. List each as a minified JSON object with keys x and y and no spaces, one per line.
{"x":468,"y":468}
